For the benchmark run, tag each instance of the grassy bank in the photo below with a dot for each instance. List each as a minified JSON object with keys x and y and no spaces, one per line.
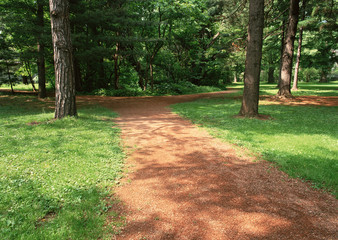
{"x":301,"y":140}
{"x":55,"y":175}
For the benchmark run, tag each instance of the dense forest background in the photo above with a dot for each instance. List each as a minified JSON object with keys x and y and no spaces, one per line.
{"x":124,"y":47}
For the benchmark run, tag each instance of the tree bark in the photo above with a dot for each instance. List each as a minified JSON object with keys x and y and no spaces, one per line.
{"x":286,"y":72}
{"x":235,"y":77}
{"x":25,"y":80}
{"x":299,"y":52}
{"x":323,"y":76}
{"x":250,"y":101}
{"x":9,"y":77}
{"x":271,"y":74}
{"x":29,"y":71}
{"x":65,"y":104}
{"x":295,"y":77}
{"x":41,"y":49}
{"x":116,"y":66}
{"x":281,"y":52}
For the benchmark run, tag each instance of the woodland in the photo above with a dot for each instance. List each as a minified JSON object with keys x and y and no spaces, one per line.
{"x":145,"y":47}
{"x":139,"y":119}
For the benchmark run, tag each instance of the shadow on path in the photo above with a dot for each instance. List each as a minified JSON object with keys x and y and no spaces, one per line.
{"x":187,"y":185}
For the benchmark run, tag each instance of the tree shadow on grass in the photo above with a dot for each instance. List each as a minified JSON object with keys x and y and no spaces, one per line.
{"x":30,"y":210}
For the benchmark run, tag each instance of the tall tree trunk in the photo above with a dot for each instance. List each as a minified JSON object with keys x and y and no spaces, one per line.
{"x":65,"y":104}
{"x":271,"y":74}
{"x":9,"y":77}
{"x":235,"y":77}
{"x":151,"y":75}
{"x":323,"y":76}
{"x":249,"y":106}
{"x":29,"y":71}
{"x":281,"y":52}
{"x":116,"y":67}
{"x":285,"y":81}
{"x":299,"y":52}
{"x":25,"y":80}
{"x":41,"y":49}
{"x":295,"y":77}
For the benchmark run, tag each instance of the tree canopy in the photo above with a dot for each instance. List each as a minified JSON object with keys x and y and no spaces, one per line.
{"x":127,"y":47}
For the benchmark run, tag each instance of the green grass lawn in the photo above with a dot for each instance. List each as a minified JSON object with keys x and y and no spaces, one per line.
{"x":55,"y":175}
{"x":301,"y":140}
{"x":25,"y":87}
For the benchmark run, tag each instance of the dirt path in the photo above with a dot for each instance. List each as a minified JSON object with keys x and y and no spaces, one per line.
{"x":187,"y":185}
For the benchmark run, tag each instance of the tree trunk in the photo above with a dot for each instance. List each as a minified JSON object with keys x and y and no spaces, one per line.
{"x":281,"y":52}
{"x":299,"y":51}
{"x":29,"y":71}
{"x":323,"y":76}
{"x":271,"y":74}
{"x":151,"y":75}
{"x":9,"y":77}
{"x":285,"y":81}
{"x":295,"y":77}
{"x":65,"y":104}
{"x":249,"y":106}
{"x":25,"y":80}
{"x":41,"y":49}
{"x":235,"y":77}
{"x":116,"y":67}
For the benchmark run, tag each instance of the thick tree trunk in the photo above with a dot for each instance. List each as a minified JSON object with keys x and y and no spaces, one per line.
{"x":41,"y":49}
{"x":281,"y":52}
{"x":285,"y":81}
{"x":249,"y":106}
{"x":299,"y":52}
{"x":65,"y":104}
{"x":25,"y":80}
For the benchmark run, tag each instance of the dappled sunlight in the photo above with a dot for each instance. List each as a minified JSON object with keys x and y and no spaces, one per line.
{"x":182,"y":183}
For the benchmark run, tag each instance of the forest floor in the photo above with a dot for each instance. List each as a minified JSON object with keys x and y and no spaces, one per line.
{"x":181,"y":183}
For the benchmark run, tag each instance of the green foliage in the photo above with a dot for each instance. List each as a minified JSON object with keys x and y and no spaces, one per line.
{"x":54,"y":175}
{"x":301,"y":140}
{"x":160,"y":89}
{"x":133,"y":45}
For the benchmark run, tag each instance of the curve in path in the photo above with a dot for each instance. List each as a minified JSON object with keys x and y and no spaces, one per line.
{"x":187,"y":185}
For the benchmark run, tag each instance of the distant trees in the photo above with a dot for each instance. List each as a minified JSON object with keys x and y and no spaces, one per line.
{"x":40,"y":21}
{"x":131,"y":47}
{"x":23,"y":26}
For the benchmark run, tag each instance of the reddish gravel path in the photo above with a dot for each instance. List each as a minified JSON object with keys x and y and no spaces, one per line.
{"x":187,"y":185}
